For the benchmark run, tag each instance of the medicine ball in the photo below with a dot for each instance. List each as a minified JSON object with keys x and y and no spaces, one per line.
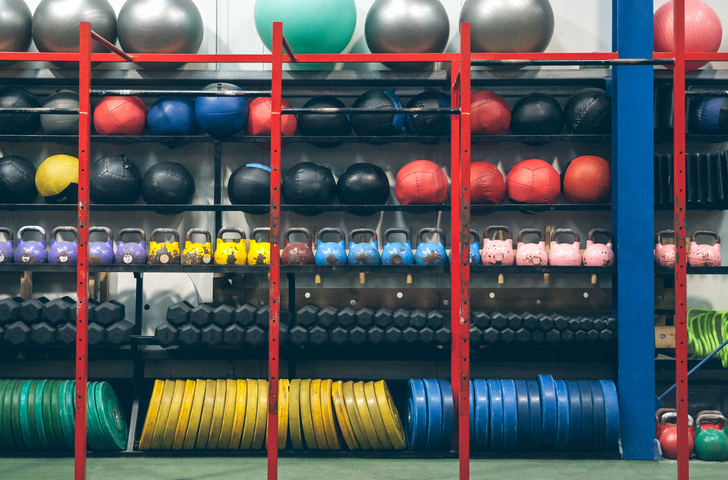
{"x":260,"y":115}
{"x":421,"y":181}
{"x":589,"y":111}
{"x":17,"y":180}
{"x":708,"y":115}
{"x":430,"y":123}
{"x":309,"y":183}
{"x":250,"y":185}
{"x":363,"y":183}
{"x":533,"y":181}
{"x":168,"y":183}
{"x":489,"y":114}
{"x":588,"y":179}
{"x":172,"y":116}
{"x":537,"y":114}
{"x":487,"y":184}
{"x":115,"y":179}
{"x":317,"y":124}
{"x":57,"y":124}
{"x":18,"y":123}
{"x":120,"y":116}
{"x":57,"y":179}
{"x":221,"y":116}
{"x":380,"y":124}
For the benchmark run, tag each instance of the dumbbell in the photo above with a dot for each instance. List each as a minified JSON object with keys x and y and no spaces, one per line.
{"x":31,"y":311}
{"x":43,"y":334}
{"x":326,"y":317}
{"x":201,"y":316}
{"x":9,"y":309}
{"x":580,"y":336}
{"x":498,"y":320}
{"x":553,"y":336}
{"x":189,"y":335}
{"x":298,"y":335}
{"x":57,"y":312}
{"x":436,"y":320}
{"x":245,"y":315}
{"x":262,"y":317}
{"x":514,"y":321}
{"x":587,"y":324}
{"x":179,"y":313}
{"x":611,"y":324}
{"x":476,"y":335}
{"x":234,"y":335}
{"x":166,"y":335}
{"x":426,"y":335}
{"x":375,"y":335}
{"x":592,"y":335}
{"x":66,"y":334}
{"x":574,"y":324}
{"x":480,"y":320}
{"x":223,"y":316}
{"x":567,"y":336}
{"x":400,"y":318}
{"x":346,"y":318}
{"x":523,"y":335}
{"x":317,"y":335}
{"x":365,"y":318}
{"x":545,"y":322}
{"x":529,"y":321}
{"x":307,"y":316}
{"x":607,"y":335}
{"x":109,"y":313}
{"x":409,"y":335}
{"x":383,"y":318}
{"x":17,"y":333}
{"x":96,"y":334}
{"x":418,"y":318}
{"x":507,"y":335}
{"x":339,"y":335}
{"x":357,"y":335}
{"x":490,"y":335}
{"x":561,"y":323}
{"x":442,"y":335}
{"x":599,"y":324}
{"x":393,"y":335}
{"x":538,"y":336}
{"x":213,"y":336}
{"x":255,"y":336}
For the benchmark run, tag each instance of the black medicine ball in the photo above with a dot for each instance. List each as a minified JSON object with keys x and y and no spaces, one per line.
{"x":115,"y":179}
{"x":363,"y":183}
{"x":379,"y":124}
{"x":309,"y":183}
{"x":324,"y":124}
{"x":537,"y":114}
{"x":17,"y":180}
{"x":589,"y":111}
{"x":18,"y":123}
{"x":168,"y":183}
{"x":708,"y":115}
{"x":429,"y":123}
{"x":250,"y":185}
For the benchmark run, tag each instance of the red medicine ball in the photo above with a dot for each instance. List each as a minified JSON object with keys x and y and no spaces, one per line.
{"x":421,"y":181}
{"x":533,"y":181}
{"x":588,"y":179}
{"x":489,"y":114}
{"x":487,"y":184}
{"x":259,"y":118}
{"x":120,"y":116}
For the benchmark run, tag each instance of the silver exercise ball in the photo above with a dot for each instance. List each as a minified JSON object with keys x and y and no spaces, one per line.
{"x":160,"y":26}
{"x":56,"y":24}
{"x":509,"y":25}
{"x":407,"y":26}
{"x":56,"y":124}
{"x":15,"y":26}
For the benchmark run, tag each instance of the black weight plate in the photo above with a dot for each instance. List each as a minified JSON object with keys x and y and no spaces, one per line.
{"x":549,"y":411}
{"x":510,"y":415}
{"x":524,"y":419}
{"x":495,"y":398}
{"x":534,"y":406}
{"x":587,"y":416}
{"x":574,"y":416}
{"x":600,"y":426}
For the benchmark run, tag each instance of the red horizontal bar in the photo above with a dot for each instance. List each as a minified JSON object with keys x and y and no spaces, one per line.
{"x":707,"y":56}
{"x":40,"y":57}
{"x":547,"y":56}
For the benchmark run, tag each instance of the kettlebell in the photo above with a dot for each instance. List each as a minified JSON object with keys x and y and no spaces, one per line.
{"x":6,"y":247}
{"x":474,"y":249}
{"x":497,"y":252}
{"x":364,"y":253}
{"x":668,"y":435}
{"x":331,"y":253}
{"x":164,"y":253}
{"x":31,"y":251}
{"x":398,"y":253}
{"x":131,"y":253}
{"x":598,"y":254}
{"x":430,"y":253}
{"x":711,"y":444}
{"x":63,"y":251}
{"x":259,"y":253}
{"x":101,"y":252}
{"x":231,"y":252}
{"x":565,"y":254}
{"x":704,"y":255}
{"x":297,"y":253}
{"x":531,"y":253}
{"x":665,"y":253}
{"x":196,"y":253}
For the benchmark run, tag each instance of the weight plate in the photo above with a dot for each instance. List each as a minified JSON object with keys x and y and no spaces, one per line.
{"x":600,"y":428}
{"x":534,"y":411}
{"x":327,"y":410}
{"x":31,"y":443}
{"x":448,"y":415}
{"x":93,"y":427}
{"x":47,"y":415}
{"x":66,"y":410}
{"x":562,"y":431}
{"x":416,"y":415}
{"x":510,"y":415}
{"x":261,"y":422}
{"x":218,"y":411}
{"x":71,"y":402}
{"x":482,"y":414}
{"x":37,"y":405}
{"x":317,"y":416}
{"x":94,"y":414}
{"x":472,"y":415}
{"x":390,"y":416}
{"x":165,"y":406}
{"x":611,"y":408}
{"x":151,"y":420}
{"x":365,"y":417}
{"x":203,"y":434}
{"x":6,"y":442}
{"x":17,"y":429}
{"x":294,"y":414}
{"x":495,"y":399}
{"x":198,"y":403}
{"x":173,"y":418}
{"x":231,"y":398}
{"x":32,"y":419}
{"x":347,"y":431}
{"x":524,"y":417}
{"x":239,"y":417}
{"x":377,"y":419}
{"x":587,"y":416}
{"x":434,"y":414}
{"x":6,"y":425}
{"x":111,"y":417}
{"x":352,"y":411}
{"x":283,"y":397}
{"x":549,"y":411}
{"x":184,"y":415}
{"x":574,"y":416}
{"x":52,"y":411}
{"x":306,"y":415}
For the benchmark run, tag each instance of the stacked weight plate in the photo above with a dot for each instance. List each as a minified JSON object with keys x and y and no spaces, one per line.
{"x":39,"y":415}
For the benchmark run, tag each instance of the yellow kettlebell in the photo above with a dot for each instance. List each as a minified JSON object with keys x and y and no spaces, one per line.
{"x":259,"y":253}
{"x":196,"y":253}
{"x":164,"y":253}
{"x":229,"y":251}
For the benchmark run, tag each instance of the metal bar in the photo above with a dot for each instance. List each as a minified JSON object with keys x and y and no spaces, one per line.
{"x":455,"y":99}
{"x":563,"y":62}
{"x":99,"y":92}
{"x":368,"y":111}
{"x":98,"y":38}
{"x":702,"y":362}
{"x":217,"y":195}
{"x":288,"y":49}
{"x":138,"y":360}
{"x":706,"y":92}
{"x":55,"y":111}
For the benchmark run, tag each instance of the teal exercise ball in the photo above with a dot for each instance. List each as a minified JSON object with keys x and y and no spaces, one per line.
{"x":310,"y":26}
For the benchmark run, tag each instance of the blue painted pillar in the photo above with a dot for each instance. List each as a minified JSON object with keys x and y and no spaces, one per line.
{"x":633,"y":224}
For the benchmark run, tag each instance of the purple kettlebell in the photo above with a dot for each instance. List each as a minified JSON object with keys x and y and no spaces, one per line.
{"x":63,"y":251}
{"x":6,"y":247}
{"x":101,"y":253}
{"x":132,"y":253}
{"x":31,"y":251}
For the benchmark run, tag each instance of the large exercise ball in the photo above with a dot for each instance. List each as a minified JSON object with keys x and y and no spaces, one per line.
{"x":310,"y":26}
{"x":588,"y":111}
{"x":429,"y":123}
{"x":407,"y":26}
{"x":487,"y":184}
{"x":115,"y":179}
{"x":363,"y":183}
{"x":703,"y":30}
{"x":708,"y":115}
{"x":57,"y":179}
{"x":533,"y":181}
{"x":18,"y":123}
{"x":308,"y":183}
{"x":588,"y":179}
{"x":17,"y":180}
{"x":56,"y":24}
{"x":57,"y":124}
{"x":537,"y":114}
{"x":16,"y":23}
{"x":421,"y":182}
{"x":323,"y":124}
{"x":489,"y":114}
{"x":120,"y":116}
{"x":250,"y":185}
{"x":221,"y":116}
{"x":507,"y":26}
{"x":168,"y":183}
{"x":365,"y":124}
{"x":172,"y":116}
{"x":259,"y":120}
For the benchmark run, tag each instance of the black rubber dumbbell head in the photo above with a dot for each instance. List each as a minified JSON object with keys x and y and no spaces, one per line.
{"x":442,"y":336}
{"x":575,"y":324}
{"x":476,"y":335}
{"x":298,"y":335}
{"x":109,"y":313}
{"x":393,"y":335}
{"x":9,"y":309}
{"x":561,"y":323}
{"x":357,"y":335}
{"x":599,"y":324}
{"x":611,"y":324}
{"x":529,"y":321}
{"x":375,"y":335}
{"x":17,"y":333}
{"x":31,"y":311}
{"x":507,"y":335}
{"x":235,"y":336}
{"x":223,"y":316}
{"x":523,"y":335}
{"x":119,"y":334}
{"x":580,"y":336}
{"x":606,"y":335}
{"x":567,"y":336}
{"x":498,"y":320}
{"x":96,"y":334}
{"x":255,"y":336}
{"x":490,"y":335}
{"x":308,"y":315}
{"x":43,"y":334}
{"x":339,"y":335}
{"x":418,"y":318}
{"x":545,"y":323}
{"x":480,"y":320}
{"x":190,"y":335}
{"x":166,"y":335}
{"x":538,"y":336}
{"x":346,"y":318}
{"x":553,"y":336}
{"x":365,"y":317}
{"x":201,"y":315}
{"x":318,"y":336}
{"x":514,"y":321}
{"x":587,"y":324}
{"x":400,"y":318}
{"x":383,"y":318}
{"x":426,"y":335}
{"x":213,"y":336}
{"x":436,"y":320}
{"x":327,"y":317}
{"x":262,"y":317}
{"x":57,"y":312}
{"x":66,"y":334}
{"x":245,"y":315}
{"x":592,"y":335}
{"x":178,"y":314}
{"x":409,"y":335}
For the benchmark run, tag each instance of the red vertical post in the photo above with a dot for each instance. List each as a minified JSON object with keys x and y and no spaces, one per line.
{"x":275,"y":235}
{"x":454,"y":235}
{"x":84,"y":147}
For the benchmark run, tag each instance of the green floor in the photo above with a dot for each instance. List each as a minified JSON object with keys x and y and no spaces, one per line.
{"x":359,"y":469}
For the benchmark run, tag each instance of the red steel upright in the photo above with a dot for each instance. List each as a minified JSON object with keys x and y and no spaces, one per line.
{"x":455,"y":99}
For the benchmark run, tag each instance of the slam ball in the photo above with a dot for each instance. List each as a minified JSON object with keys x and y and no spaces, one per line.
{"x":250,"y":185}
{"x":16,"y":23}
{"x":421,"y":181}
{"x":588,"y":111}
{"x":168,"y":183}
{"x":708,"y":115}
{"x":379,"y":124}
{"x":221,"y":116}
{"x":489,"y":114}
{"x":18,"y":123}
{"x":57,"y":179}
{"x":318,"y":124}
{"x":172,"y":116}
{"x":363,"y":183}
{"x":120,"y":116}
{"x":55,"y":24}
{"x":588,"y":179}
{"x":17,"y":180}
{"x":430,"y":123}
{"x":537,"y":114}
{"x":309,"y":183}
{"x":260,"y":115}
{"x":487,"y":184}
{"x":533,"y":181}
{"x":55,"y":124}
{"x":115,"y":179}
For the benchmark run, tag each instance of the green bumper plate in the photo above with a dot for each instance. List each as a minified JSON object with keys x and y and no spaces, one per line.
{"x":35,"y":411}
{"x":65,"y":399}
{"x":111,"y":418}
{"x":23,"y":417}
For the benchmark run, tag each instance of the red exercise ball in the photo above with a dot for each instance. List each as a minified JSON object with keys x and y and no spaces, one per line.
{"x":533,"y":181}
{"x":489,"y":114}
{"x":487,"y":184}
{"x":421,"y":181}
{"x":259,"y":118}
{"x":120,"y":116}
{"x":588,"y":179}
{"x":703,"y":31}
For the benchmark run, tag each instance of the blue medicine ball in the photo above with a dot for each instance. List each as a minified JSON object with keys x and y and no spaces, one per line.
{"x":221,"y":116}
{"x":708,"y":115}
{"x":172,"y":116}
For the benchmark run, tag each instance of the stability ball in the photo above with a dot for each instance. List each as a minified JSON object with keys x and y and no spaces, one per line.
{"x":487,"y":184}
{"x":588,"y":179}
{"x":533,"y":181}
{"x":16,"y":26}
{"x":703,"y":30}
{"x":429,"y":123}
{"x":588,"y":111}
{"x":537,"y":114}
{"x":120,"y":116}
{"x":310,"y":26}
{"x":318,"y":124}
{"x":172,"y":116}
{"x":17,"y":180}
{"x":250,"y":185}
{"x":420,"y":182}
{"x":168,"y":183}
{"x":407,"y":26}
{"x":378,"y":124}
{"x":508,"y":26}
{"x":56,"y":124}
{"x":308,"y":183}
{"x":57,"y":179}
{"x":56,"y":29}
{"x":708,"y":115}
{"x":115,"y":179}
{"x":489,"y":114}
{"x":221,"y":116}
{"x":18,"y":123}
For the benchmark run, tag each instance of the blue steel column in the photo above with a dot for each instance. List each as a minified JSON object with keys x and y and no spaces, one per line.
{"x":633,"y":224}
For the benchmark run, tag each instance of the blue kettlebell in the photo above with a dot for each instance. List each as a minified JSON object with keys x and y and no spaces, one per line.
{"x":331,"y":253}
{"x":431,"y":253}
{"x":31,"y":251}
{"x":6,"y":247}
{"x":474,"y":249}
{"x":101,"y":252}
{"x":364,"y":253}
{"x":63,"y":251}
{"x":397,"y":253}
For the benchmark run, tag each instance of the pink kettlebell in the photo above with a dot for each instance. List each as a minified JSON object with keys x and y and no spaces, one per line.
{"x":497,"y":252}
{"x":565,"y":254}
{"x":531,"y":253}
{"x":704,"y":254}
{"x":665,"y":253}
{"x":598,"y":254}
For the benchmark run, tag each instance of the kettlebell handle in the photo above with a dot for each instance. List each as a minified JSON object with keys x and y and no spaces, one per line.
{"x":302,"y":230}
{"x":707,"y":233}
{"x":405,"y":231}
{"x":198,"y":231}
{"x":660,"y":412}
{"x":496,"y":229}
{"x":600,"y":231}
{"x":326,"y":230}
{"x":664,"y":233}
{"x":8,"y":233}
{"x":475,"y":235}
{"x":565,"y":231}
{"x":223,"y":231}
{"x":438,"y":231}
{"x":357,"y":231}
{"x":32,"y":228}
{"x":529,"y":231}
{"x":124,"y":231}
{"x":107,"y":230}
{"x":711,"y":418}
{"x":673,"y":416}
{"x":169,"y":231}
{"x":258,"y":230}
{"x":73,"y":230}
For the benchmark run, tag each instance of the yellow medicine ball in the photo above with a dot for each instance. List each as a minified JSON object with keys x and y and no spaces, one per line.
{"x":57,"y":179}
